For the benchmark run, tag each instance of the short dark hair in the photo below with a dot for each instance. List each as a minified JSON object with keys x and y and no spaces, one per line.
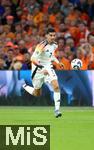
{"x":50,"y":30}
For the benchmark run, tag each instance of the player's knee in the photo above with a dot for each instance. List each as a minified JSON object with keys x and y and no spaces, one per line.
{"x":56,"y":88}
{"x":37,"y":92}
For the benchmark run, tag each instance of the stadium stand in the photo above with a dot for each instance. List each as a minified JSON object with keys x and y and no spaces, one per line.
{"x":23,"y":24}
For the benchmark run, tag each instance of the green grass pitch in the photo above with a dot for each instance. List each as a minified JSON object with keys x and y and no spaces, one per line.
{"x":74,"y":131}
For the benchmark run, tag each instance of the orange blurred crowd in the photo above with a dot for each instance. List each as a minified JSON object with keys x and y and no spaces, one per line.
{"x":23,"y":24}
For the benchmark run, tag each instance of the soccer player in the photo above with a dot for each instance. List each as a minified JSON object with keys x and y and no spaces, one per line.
{"x":42,"y":68}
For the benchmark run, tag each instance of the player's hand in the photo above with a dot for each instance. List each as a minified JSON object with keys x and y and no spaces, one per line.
{"x":61,"y":65}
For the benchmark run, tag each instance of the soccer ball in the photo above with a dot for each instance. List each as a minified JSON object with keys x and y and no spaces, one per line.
{"x":76,"y":64}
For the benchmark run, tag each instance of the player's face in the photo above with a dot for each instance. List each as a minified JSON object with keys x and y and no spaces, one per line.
{"x":51,"y":37}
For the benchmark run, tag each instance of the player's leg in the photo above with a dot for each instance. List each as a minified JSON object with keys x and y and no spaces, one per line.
{"x":37,"y":92}
{"x":31,"y":90}
{"x":54,"y":82}
{"x":56,"y":89}
{"x":28,"y":88}
{"x":37,"y":82}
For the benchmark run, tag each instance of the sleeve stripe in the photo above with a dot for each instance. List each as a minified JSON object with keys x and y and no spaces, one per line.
{"x":41,"y":46}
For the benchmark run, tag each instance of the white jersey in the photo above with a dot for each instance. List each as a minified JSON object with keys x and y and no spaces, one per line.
{"x":44,"y":53}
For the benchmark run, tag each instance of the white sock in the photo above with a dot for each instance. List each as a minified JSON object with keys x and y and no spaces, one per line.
{"x":57,"y":100}
{"x":29,"y":89}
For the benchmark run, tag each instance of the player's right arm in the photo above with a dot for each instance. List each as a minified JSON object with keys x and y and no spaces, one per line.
{"x":38,"y":50}
{"x":35,"y":56}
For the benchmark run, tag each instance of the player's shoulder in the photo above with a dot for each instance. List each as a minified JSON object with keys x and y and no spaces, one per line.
{"x":43,"y":43}
{"x":55,"y":45}
{"x":41,"y":46}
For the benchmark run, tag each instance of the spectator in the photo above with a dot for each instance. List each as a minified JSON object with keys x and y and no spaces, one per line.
{"x":85,"y":54}
{"x":2,"y":64}
{"x":71,"y":43}
{"x":91,"y":41}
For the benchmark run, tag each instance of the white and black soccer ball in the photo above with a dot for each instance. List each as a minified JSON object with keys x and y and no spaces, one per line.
{"x":76,"y":64}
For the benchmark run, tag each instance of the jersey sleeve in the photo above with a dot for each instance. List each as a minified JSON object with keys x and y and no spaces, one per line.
{"x":38,"y":50}
{"x":36,"y":53}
